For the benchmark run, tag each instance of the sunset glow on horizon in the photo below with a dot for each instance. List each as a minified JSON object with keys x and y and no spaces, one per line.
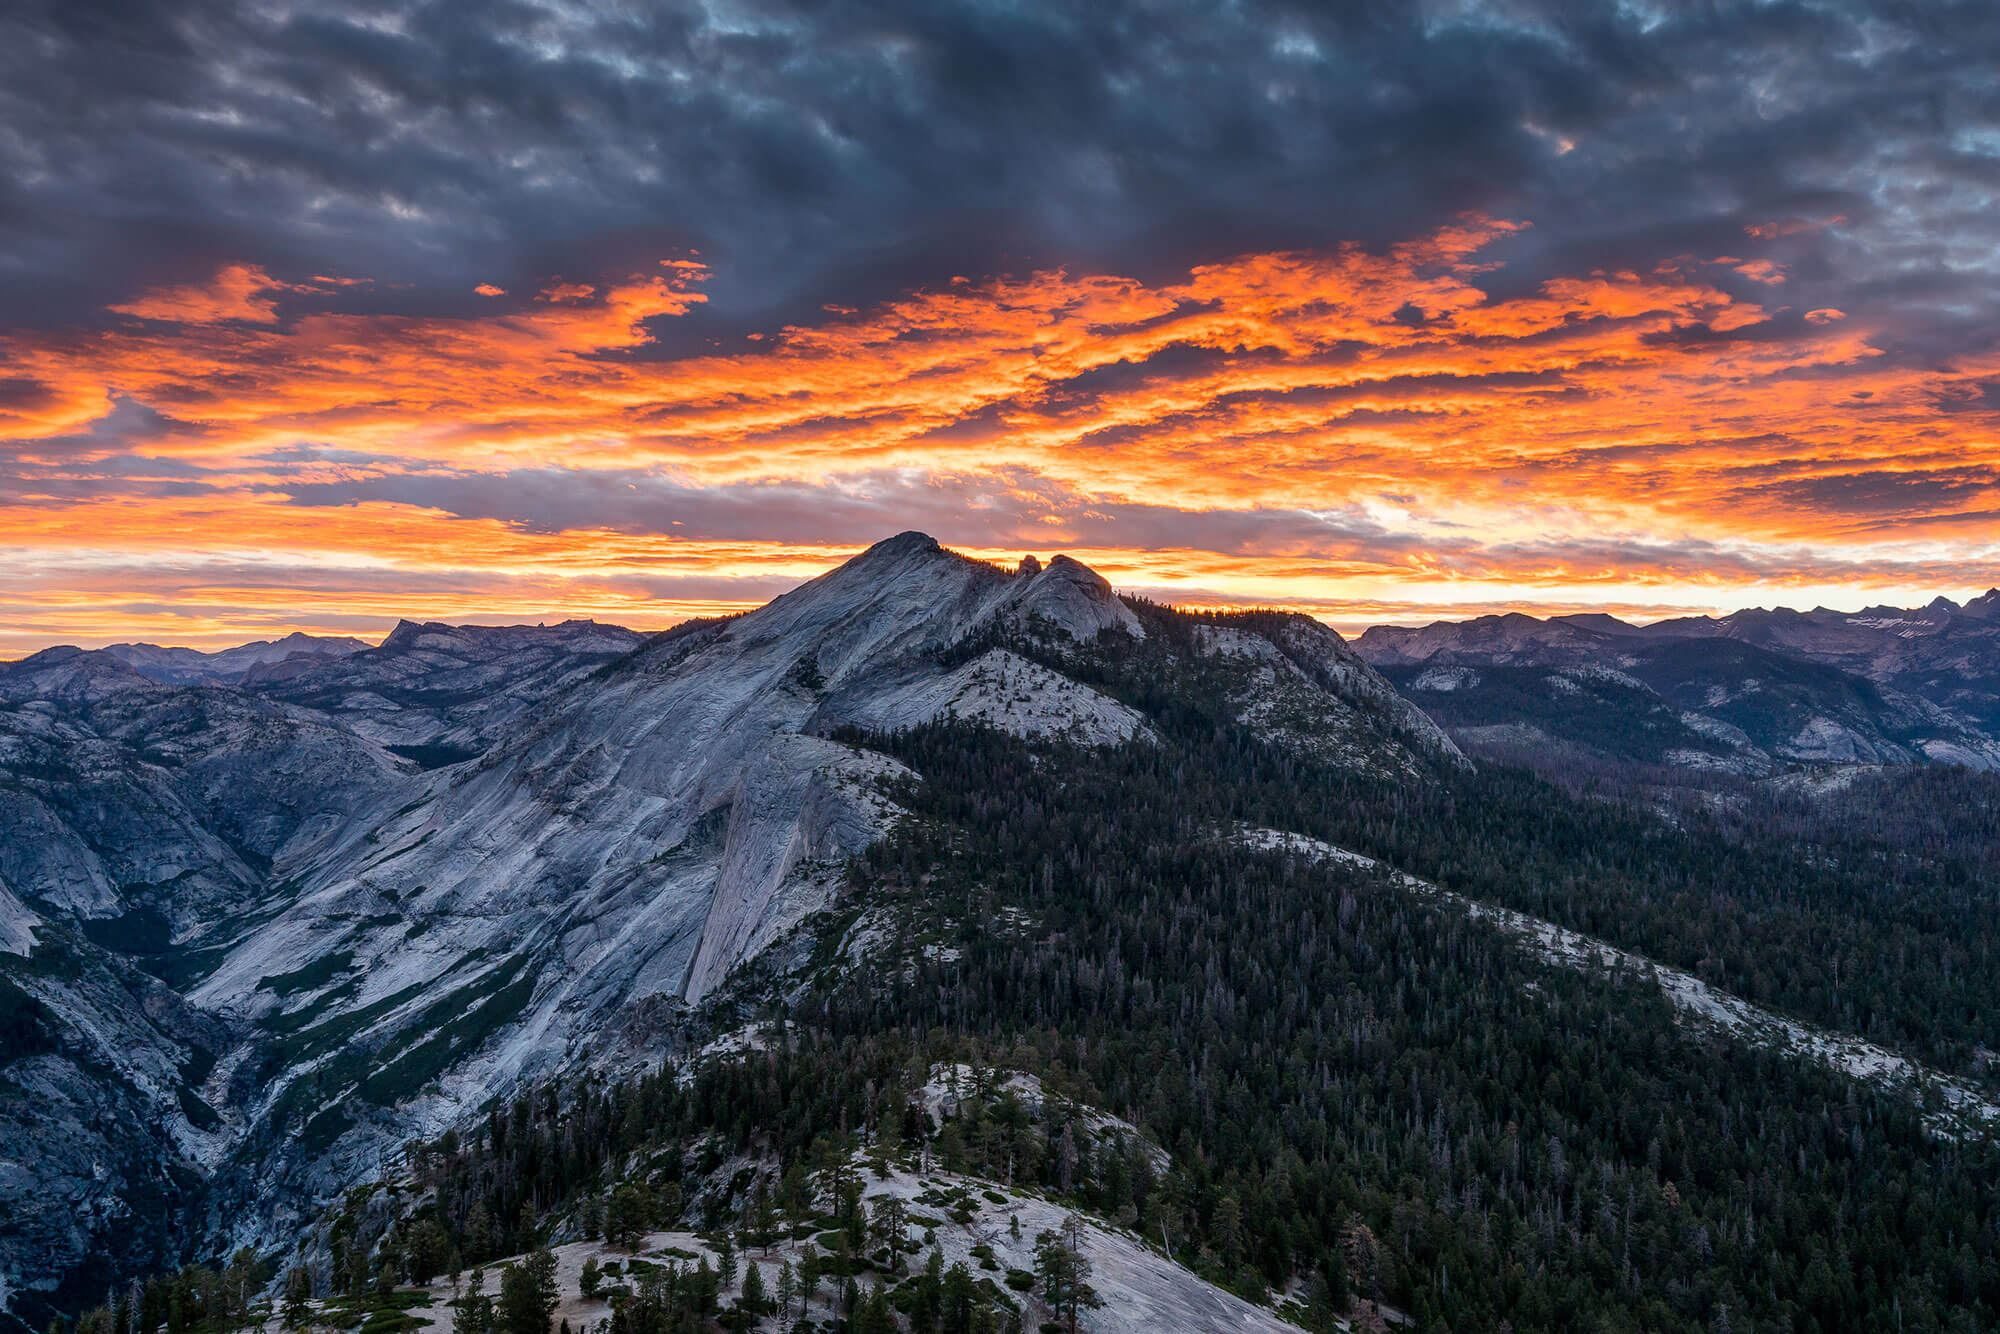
{"x":1408,"y":412}
{"x":1362,"y":435}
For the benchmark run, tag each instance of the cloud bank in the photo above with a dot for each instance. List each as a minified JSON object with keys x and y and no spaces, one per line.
{"x":311,"y":320}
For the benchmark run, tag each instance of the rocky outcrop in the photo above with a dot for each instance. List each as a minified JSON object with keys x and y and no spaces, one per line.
{"x":1299,"y":685}
{"x":355,"y":897}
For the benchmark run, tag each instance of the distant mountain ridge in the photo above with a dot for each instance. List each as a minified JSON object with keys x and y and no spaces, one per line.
{"x":187,"y":666}
{"x":1819,"y":631}
{"x":1881,"y":685}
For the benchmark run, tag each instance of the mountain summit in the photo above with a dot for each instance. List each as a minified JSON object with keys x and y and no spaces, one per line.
{"x":468,"y":940}
{"x":358,"y":894}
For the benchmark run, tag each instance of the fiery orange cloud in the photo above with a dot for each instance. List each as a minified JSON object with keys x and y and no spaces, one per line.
{"x":1350,"y":428}
{"x":1762,"y":271}
{"x":237,"y":292}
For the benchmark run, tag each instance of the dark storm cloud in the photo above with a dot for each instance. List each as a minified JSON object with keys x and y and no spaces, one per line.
{"x":839,"y":152}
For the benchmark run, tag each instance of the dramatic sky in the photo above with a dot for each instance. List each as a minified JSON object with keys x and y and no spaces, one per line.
{"x":317,"y":316}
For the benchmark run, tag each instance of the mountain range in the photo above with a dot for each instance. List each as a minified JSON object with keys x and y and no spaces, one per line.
{"x":270,"y":917}
{"x":1748,"y":694}
{"x":186,"y":666}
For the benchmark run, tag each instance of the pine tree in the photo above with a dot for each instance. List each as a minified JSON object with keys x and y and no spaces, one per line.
{"x":1064,"y":1271}
{"x":809,"y":1276}
{"x":960,"y":1300}
{"x":524,"y":1308}
{"x":753,"y":1299}
{"x":1226,"y":1229}
{"x":479,"y":1241}
{"x":475,"y":1308}
{"x":872,"y":1315}
{"x":787,"y":1289}
{"x":725,"y":1261}
{"x":891,"y":1222}
{"x":541,"y":1267}
{"x":298,"y":1297}
{"x":629,"y":1215}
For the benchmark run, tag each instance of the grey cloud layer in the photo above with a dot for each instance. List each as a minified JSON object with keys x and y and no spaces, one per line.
{"x":1011,"y":509}
{"x":1016,"y":510}
{"x":844,"y":151}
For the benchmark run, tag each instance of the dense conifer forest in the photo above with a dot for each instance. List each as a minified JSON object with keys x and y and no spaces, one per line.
{"x":1361,"y":1092}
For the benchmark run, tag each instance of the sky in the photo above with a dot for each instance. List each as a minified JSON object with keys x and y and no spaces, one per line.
{"x":319,"y":317}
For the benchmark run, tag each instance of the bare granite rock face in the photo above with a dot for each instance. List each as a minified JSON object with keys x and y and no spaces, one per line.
{"x":144,"y":827}
{"x":254,"y":937}
{"x":443,"y":693}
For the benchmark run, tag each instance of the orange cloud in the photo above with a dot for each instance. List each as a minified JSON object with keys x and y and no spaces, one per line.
{"x":1762,"y":271}
{"x":1342,"y":428}
{"x":237,"y":292}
